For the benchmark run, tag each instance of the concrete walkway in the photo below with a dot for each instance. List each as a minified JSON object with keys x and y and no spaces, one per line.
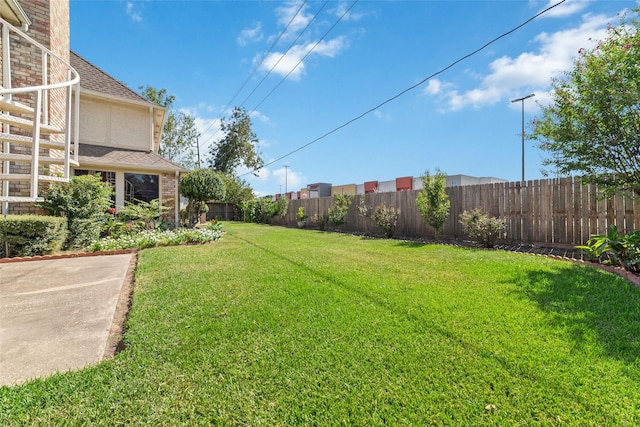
{"x":56,"y":314}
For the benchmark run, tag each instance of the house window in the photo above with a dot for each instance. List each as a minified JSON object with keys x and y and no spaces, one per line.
{"x":140,"y":187}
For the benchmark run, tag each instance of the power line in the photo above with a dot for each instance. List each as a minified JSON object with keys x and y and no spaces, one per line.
{"x":265,"y":57}
{"x":393,"y":98}
{"x":287,"y":51}
{"x":305,"y":56}
{"x":267,"y":53}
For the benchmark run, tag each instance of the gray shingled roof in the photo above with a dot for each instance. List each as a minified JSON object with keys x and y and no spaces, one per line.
{"x":96,"y":155}
{"x":94,"y":79}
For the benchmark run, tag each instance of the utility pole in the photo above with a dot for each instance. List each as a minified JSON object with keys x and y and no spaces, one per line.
{"x":522,"y":101}
{"x":198,"y":150}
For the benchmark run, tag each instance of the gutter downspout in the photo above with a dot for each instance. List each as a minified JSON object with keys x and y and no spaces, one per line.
{"x":177,"y":200}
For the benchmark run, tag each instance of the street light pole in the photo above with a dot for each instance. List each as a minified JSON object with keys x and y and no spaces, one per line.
{"x":522,"y":101}
{"x":286,"y":169}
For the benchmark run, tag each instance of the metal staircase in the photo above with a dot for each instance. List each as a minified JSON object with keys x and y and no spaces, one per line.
{"x":34,"y":150}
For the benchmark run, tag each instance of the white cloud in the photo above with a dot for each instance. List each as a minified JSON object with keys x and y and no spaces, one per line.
{"x":382,"y":116}
{"x":434,"y":87}
{"x":341,"y":8}
{"x":133,"y":13}
{"x":288,"y":179}
{"x":288,"y":12}
{"x":257,"y":115}
{"x":283,"y":64}
{"x":511,"y":77}
{"x":567,"y":8}
{"x":250,"y":35}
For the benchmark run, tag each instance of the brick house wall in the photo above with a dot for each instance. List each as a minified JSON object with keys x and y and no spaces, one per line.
{"x":168,"y":192}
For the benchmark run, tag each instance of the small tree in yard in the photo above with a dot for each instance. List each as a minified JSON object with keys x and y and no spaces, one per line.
{"x":338,"y":211}
{"x":201,"y":186}
{"x":432,"y":201}
{"x":592,"y":126}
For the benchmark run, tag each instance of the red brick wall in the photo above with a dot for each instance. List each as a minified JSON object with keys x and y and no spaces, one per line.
{"x":168,"y":187}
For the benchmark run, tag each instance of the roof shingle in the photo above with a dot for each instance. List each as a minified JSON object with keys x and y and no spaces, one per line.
{"x":96,"y":155}
{"x":94,"y":79}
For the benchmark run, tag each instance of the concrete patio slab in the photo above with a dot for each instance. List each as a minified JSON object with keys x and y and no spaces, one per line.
{"x":56,"y":314}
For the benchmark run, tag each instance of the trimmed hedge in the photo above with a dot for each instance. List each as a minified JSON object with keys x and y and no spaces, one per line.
{"x":29,"y":235}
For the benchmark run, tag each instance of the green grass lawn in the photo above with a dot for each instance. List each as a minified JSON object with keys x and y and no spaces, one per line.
{"x":272,"y":326}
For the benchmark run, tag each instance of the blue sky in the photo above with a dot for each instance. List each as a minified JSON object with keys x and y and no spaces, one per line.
{"x":349,"y":60}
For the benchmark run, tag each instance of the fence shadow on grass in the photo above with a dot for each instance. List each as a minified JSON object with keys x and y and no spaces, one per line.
{"x":587,"y":300}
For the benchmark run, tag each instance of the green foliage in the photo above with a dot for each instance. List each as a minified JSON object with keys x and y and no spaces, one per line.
{"x":179,"y":135}
{"x":592,"y":126}
{"x":338,"y":211}
{"x":386,"y":218}
{"x":260,"y":210}
{"x":301,"y":215}
{"x":281,"y":206}
{"x":211,"y":225}
{"x":139,"y":216}
{"x":155,"y":238}
{"x":238,"y":147}
{"x":237,"y":191}
{"x":615,"y":249}
{"x":433,"y":202}
{"x":483,"y":228}
{"x":84,"y":201}
{"x":29,"y":235}
{"x":201,"y":186}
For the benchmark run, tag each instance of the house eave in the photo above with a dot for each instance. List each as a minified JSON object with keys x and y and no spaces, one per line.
{"x":128,"y":167}
{"x":12,"y":12}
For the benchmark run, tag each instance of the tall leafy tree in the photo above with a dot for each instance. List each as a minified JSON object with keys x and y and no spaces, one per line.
{"x":179,"y":136}
{"x":433,"y":202}
{"x":592,"y":126}
{"x":237,"y":147}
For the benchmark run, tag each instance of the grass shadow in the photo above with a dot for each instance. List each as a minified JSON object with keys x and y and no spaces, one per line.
{"x":410,"y":245}
{"x":588,"y":303}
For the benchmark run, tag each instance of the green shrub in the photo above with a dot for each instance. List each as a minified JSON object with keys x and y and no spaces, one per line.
{"x":139,"y":216}
{"x":281,"y":206}
{"x":84,"y":201}
{"x":263,"y":209}
{"x":483,"y":228}
{"x":301,"y":214}
{"x":386,"y":218}
{"x":338,"y":211}
{"x":615,"y":249}
{"x":29,"y":235}
{"x":320,"y":221}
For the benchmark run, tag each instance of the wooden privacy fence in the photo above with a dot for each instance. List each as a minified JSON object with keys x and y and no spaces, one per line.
{"x":551,"y":211}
